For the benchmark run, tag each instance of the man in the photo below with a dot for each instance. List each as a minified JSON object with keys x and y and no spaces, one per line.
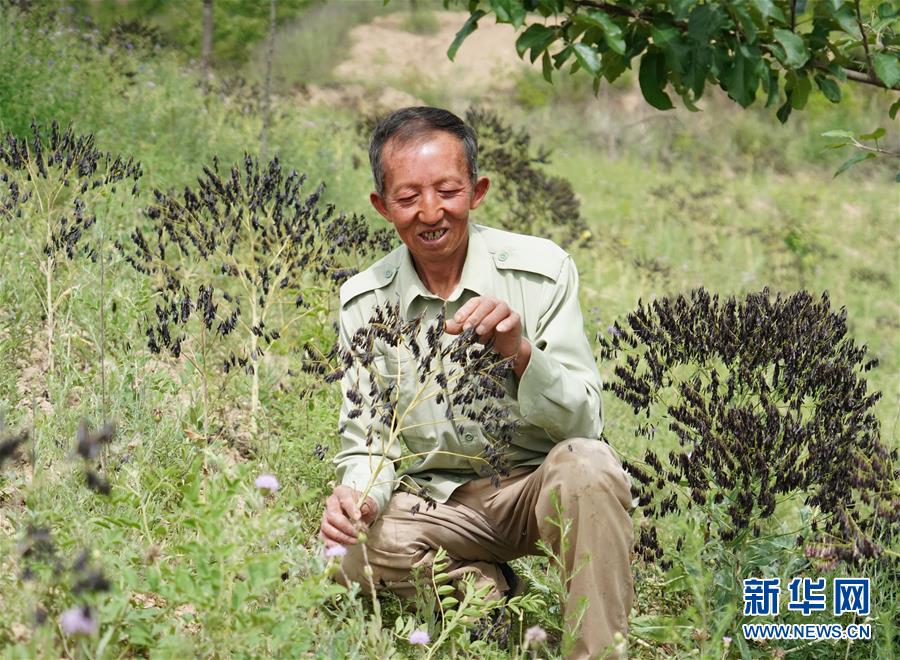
{"x":521,"y":293}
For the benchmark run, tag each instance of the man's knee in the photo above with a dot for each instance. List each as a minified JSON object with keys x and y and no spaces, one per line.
{"x":587,"y":464}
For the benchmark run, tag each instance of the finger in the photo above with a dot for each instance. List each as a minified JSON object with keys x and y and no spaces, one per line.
{"x":369,"y":510}
{"x":335,"y":516}
{"x":489,"y":323}
{"x":348,"y":504}
{"x":452,"y":327}
{"x":510,"y":323}
{"x":485,"y":307}
{"x":333,"y":535}
{"x":466,"y":309}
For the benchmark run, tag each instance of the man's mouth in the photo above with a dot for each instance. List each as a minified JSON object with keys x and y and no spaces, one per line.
{"x":431,"y":236}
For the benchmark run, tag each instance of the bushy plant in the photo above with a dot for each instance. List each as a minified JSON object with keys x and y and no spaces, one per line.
{"x":768,"y":404}
{"x":260,"y":254}
{"x":52,"y":187}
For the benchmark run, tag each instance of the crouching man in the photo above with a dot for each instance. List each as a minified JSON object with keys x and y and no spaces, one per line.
{"x":521,"y":293}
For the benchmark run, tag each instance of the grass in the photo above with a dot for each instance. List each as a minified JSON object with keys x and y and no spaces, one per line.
{"x":200,"y":560}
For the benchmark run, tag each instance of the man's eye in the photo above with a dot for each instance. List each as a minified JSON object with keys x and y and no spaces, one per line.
{"x":449,"y":193}
{"x":406,"y":200}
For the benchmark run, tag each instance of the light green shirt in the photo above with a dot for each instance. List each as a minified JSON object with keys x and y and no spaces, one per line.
{"x":557,"y":397}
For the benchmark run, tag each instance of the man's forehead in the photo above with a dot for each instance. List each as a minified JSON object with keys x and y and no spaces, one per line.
{"x":398,"y":144}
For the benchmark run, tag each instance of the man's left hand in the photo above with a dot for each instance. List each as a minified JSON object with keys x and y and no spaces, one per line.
{"x":493,"y":319}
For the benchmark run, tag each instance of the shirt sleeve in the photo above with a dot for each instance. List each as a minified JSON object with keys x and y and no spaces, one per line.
{"x":366,"y":468}
{"x":559,"y":390}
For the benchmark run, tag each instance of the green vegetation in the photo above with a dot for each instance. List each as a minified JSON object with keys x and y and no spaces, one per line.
{"x":201,"y":561}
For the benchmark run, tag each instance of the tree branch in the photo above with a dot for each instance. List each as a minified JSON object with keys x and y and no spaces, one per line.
{"x":858,"y":76}
{"x":865,"y":40}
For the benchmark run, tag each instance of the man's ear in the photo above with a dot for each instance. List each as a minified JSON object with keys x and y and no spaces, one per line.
{"x":481,"y":188}
{"x":378,"y":202}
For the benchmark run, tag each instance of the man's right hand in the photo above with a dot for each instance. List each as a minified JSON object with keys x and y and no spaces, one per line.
{"x":343,"y":520}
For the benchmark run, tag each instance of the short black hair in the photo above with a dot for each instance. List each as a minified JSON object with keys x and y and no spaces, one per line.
{"x":407,"y":124}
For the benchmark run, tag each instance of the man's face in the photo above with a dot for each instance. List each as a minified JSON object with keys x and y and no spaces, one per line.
{"x":428,"y":195}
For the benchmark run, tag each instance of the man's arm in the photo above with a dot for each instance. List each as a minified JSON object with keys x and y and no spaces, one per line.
{"x":560,"y":388}
{"x":559,"y":385}
{"x":360,"y":468}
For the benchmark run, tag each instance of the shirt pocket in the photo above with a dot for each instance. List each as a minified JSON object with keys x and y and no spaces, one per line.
{"x":413,"y":410}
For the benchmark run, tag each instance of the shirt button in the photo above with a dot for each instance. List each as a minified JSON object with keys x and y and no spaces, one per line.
{"x":388,"y":272}
{"x":468,"y":437}
{"x":503,"y":256}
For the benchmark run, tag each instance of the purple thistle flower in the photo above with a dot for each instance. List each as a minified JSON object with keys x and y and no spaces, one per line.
{"x":78,"y":621}
{"x":335,"y":551}
{"x":267,"y":483}
{"x":419,"y":637}
{"x":535,"y":635}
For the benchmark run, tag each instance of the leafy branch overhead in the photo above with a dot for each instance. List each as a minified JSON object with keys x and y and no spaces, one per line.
{"x":780,"y":50}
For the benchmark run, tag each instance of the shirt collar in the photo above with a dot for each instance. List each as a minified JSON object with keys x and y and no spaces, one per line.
{"x":473,"y":277}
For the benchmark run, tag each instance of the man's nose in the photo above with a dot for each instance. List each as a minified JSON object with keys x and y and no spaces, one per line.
{"x":431,"y":210}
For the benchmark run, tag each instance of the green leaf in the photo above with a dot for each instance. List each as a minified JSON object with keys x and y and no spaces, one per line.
{"x":652,"y":78}
{"x":838,"y":134}
{"x":705,"y":21}
{"x":587,"y":58}
{"x":877,"y":134}
{"x":895,"y":106}
{"x":445,"y":589}
{"x":547,"y":67}
{"x":468,"y":28}
{"x":796,"y":54}
{"x":536,"y":38}
{"x":509,"y":11}
{"x":612,"y":33}
{"x":699,"y":63}
{"x":785,"y":110}
{"x":798,"y":86}
{"x":449,"y":602}
{"x":769,"y":9}
{"x":741,"y":79}
{"x":853,"y":160}
{"x":612,"y":66}
{"x":845,"y":17}
{"x":887,"y":67}
{"x":771,"y":83}
{"x":829,"y":88}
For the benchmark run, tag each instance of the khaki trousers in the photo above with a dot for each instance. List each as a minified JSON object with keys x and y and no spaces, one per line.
{"x":481,"y":526}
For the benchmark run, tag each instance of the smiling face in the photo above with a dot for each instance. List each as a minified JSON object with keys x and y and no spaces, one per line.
{"x":427,"y":197}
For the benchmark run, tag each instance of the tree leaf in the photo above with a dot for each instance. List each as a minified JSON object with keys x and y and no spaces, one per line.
{"x":845,"y":17}
{"x":652,"y":78}
{"x":509,"y":11}
{"x":547,"y":67}
{"x":587,"y":58}
{"x":741,"y":79}
{"x":877,"y":134}
{"x":536,"y":38}
{"x":887,"y":67}
{"x":699,"y":63}
{"x":853,"y":160}
{"x":468,"y":28}
{"x":796,"y":54}
{"x":838,"y":134}
{"x":829,"y":88}
{"x":785,"y":110}
{"x":612,"y":33}
{"x":895,"y":106}
{"x":769,"y":9}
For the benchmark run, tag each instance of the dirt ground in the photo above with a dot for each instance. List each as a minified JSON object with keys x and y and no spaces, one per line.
{"x":384,"y":51}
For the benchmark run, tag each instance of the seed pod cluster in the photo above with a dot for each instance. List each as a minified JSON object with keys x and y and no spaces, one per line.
{"x":767,"y":400}
{"x":467,"y":380}
{"x":66,"y":173}
{"x":238,"y":247}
